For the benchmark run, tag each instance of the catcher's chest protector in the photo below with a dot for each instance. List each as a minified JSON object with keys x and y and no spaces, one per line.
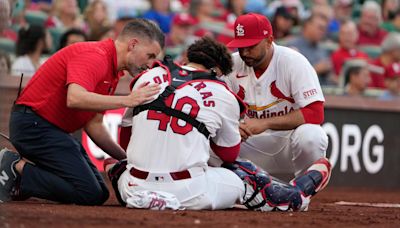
{"x":178,"y":76}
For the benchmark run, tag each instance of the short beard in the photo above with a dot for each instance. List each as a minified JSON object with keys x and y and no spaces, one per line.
{"x":136,"y":70}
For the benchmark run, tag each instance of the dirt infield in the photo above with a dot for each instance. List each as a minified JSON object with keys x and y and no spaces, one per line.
{"x":323,"y":212}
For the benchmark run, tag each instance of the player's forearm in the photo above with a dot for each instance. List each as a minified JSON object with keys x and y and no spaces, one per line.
{"x":285,"y":122}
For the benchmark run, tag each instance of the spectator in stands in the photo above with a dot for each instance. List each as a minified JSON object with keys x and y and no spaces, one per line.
{"x":368,"y":26}
{"x":96,"y":16}
{"x":123,"y":17}
{"x":392,"y":82}
{"x":18,"y":15}
{"x":5,"y":14}
{"x":235,"y":8}
{"x":348,"y":36}
{"x":390,"y":54}
{"x":5,"y":64}
{"x":308,"y":43}
{"x":160,"y":12}
{"x":295,"y":8}
{"x":72,"y":36}
{"x":201,"y":10}
{"x":393,"y":25}
{"x":204,"y":13}
{"x":65,"y":15}
{"x":32,"y":42}
{"x":181,"y":31}
{"x":342,"y":10}
{"x":323,"y":10}
{"x":282,"y":23}
{"x":357,"y":77}
{"x":106,"y":32}
{"x":389,"y":7}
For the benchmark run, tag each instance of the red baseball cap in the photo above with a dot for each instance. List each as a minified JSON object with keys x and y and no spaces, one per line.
{"x":250,"y":29}
{"x":393,"y":70}
{"x":183,"y":19}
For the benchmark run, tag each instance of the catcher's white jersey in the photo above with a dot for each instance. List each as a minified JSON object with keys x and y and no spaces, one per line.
{"x":289,"y":83}
{"x":160,"y":143}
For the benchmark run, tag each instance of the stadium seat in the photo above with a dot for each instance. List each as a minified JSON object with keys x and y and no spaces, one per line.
{"x":371,"y":51}
{"x":82,"y":5}
{"x":35,"y":17}
{"x":7,"y":45}
{"x":329,"y":46}
{"x":56,"y":34}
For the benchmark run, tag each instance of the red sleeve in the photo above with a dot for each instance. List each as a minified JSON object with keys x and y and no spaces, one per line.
{"x":124,"y":137}
{"x":226,"y":154}
{"x":87,"y":70}
{"x":314,"y":112}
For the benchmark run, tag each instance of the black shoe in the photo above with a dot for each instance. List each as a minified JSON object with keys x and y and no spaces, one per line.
{"x":8,"y":174}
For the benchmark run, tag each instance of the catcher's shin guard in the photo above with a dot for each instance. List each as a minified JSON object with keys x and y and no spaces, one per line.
{"x":315,"y":178}
{"x":265,"y":193}
{"x":114,"y":174}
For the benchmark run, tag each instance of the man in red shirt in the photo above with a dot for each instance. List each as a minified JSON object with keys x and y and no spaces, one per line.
{"x":390,"y":54}
{"x":368,"y":26}
{"x":69,"y":92}
{"x":348,"y":36}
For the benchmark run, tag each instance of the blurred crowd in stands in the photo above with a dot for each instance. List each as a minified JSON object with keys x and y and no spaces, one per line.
{"x":353,"y":45}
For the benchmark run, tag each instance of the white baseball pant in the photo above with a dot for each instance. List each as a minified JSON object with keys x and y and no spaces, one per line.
{"x":284,"y":152}
{"x":212,"y":189}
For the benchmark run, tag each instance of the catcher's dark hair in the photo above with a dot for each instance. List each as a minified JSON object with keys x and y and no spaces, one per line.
{"x":28,"y":39}
{"x":209,"y":53}
{"x":143,"y":28}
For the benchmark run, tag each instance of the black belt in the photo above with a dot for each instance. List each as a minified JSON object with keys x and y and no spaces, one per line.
{"x":22,"y":108}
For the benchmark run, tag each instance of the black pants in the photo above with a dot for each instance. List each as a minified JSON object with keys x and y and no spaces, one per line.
{"x":62,"y":171}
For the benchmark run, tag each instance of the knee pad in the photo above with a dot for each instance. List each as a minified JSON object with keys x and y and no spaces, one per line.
{"x":264,"y":193}
{"x":315,"y":178}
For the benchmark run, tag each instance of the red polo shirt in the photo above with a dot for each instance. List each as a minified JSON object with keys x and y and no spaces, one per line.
{"x":377,"y":73}
{"x":92,"y":65}
{"x":340,"y":56}
{"x":367,"y":39}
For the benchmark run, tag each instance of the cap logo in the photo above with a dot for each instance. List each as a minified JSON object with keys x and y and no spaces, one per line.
{"x":239,"y":30}
{"x":265,"y":32}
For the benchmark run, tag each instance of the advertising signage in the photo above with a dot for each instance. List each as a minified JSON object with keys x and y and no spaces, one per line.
{"x":364,"y":147}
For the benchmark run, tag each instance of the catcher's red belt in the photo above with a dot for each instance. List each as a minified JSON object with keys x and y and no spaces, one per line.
{"x":175,"y":175}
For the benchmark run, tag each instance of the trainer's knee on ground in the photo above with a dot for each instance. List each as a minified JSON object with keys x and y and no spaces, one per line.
{"x":96,"y":196}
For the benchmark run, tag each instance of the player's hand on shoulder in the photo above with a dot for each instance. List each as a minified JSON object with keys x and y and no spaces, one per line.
{"x":142,"y":94}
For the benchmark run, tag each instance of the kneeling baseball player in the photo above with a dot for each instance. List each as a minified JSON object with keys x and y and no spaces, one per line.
{"x":169,"y":139}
